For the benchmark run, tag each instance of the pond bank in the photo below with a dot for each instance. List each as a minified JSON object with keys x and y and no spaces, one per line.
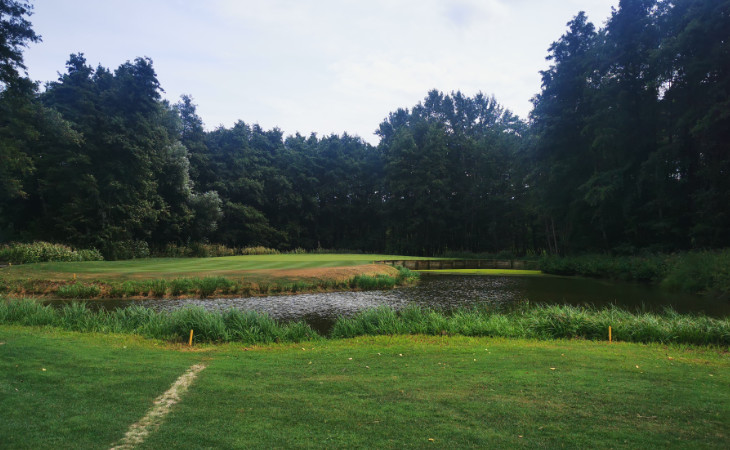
{"x":251,"y":283}
{"x":250,"y":327}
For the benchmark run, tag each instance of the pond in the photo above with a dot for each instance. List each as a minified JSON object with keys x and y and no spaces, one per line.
{"x":448,"y":292}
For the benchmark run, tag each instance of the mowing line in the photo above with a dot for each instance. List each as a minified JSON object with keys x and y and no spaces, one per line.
{"x":162,"y":405}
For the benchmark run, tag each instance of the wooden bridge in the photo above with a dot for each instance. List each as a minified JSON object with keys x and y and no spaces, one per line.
{"x":451,"y":264}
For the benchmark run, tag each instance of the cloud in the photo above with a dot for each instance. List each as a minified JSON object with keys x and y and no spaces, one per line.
{"x":324,"y":66}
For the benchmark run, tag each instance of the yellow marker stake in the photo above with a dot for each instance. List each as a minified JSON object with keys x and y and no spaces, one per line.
{"x":190,"y":343}
{"x":74,"y":276}
{"x":609,"y":334}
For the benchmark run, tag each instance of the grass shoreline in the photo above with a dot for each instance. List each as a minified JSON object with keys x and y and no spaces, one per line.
{"x":204,"y":287}
{"x":250,"y":327}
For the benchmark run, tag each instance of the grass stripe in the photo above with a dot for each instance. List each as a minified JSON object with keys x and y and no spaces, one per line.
{"x":162,"y":405}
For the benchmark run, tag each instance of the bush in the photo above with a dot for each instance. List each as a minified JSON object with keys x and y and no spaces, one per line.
{"x":39,"y":251}
{"x":129,"y":249}
{"x":700,"y":272}
{"x":259,"y":250}
{"x":628,"y":268}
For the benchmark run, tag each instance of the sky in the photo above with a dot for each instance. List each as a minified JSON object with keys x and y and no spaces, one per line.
{"x":323,"y":66}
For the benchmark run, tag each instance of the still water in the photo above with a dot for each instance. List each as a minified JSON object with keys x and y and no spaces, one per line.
{"x":448,"y":292}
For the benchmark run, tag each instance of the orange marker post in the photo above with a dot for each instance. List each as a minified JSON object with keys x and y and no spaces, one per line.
{"x":609,"y":333}
{"x":190,"y":343}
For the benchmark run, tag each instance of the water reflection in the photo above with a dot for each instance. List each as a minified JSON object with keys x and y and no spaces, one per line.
{"x":449,"y":292}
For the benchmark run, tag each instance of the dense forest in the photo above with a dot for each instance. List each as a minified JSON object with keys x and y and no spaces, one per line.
{"x":627,"y":149}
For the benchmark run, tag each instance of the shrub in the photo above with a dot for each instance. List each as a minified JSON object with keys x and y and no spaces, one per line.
{"x":129,"y":249}
{"x":259,"y":250}
{"x":39,"y":251}
{"x":700,"y":272}
{"x":628,"y":268}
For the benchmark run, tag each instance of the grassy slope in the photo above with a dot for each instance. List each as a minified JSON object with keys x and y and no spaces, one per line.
{"x":460,"y":392}
{"x":173,"y":267}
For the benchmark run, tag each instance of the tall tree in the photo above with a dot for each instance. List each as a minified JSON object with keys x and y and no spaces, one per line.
{"x":563,"y":161}
{"x":15,"y":34}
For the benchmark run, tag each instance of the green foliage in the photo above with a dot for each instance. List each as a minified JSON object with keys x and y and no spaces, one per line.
{"x":625,"y":150}
{"x":78,"y":290}
{"x":16,"y":32}
{"x":540,"y":322}
{"x":629,"y":268}
{"x":129,"y":249}
{"x":230,"y":326}
{"x":207,"y":286}
{"x":259,"y":250}
{"x":22,"y":253}
{"x":694,"y":272}
{"x":197,"y":250}
{"x":700,"y":272}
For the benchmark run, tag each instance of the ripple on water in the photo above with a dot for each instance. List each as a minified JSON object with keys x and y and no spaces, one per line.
{"x":448,"y":293}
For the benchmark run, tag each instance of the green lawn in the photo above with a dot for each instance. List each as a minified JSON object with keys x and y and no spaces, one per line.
{"x":200,"y":266}
{"x":382,"y":392}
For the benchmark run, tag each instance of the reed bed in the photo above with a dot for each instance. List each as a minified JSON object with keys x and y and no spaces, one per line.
{"x":532,"y":322}
{"x":542,"y":322}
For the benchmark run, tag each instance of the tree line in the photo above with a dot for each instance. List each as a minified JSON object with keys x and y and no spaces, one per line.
{"x":626,"y":149}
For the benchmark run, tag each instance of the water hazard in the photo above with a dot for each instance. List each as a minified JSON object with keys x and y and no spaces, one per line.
{"x":449,"y":292}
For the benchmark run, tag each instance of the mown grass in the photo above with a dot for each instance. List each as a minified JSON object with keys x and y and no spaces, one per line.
{"x":374,"y":392}
{"x":532,"y":322}
{"x":173,"y":267}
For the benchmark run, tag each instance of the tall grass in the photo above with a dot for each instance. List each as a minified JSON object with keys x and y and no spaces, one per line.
{"x":537,"y":322}
{"x":541,"y":322}
{"x":232,"y":325}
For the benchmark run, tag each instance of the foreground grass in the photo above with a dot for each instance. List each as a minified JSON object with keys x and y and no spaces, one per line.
{"x":377,"y":392}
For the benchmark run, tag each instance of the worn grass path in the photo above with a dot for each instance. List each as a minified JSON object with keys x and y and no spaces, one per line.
{"x":383,"y":392}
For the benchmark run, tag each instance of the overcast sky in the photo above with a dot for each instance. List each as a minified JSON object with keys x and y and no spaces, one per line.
{"x":324,"y":66}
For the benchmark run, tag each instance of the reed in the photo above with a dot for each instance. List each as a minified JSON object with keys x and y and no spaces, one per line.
{"x":537,"y":322}
{"x":79,"y":290}
{"x":541,"y":322}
